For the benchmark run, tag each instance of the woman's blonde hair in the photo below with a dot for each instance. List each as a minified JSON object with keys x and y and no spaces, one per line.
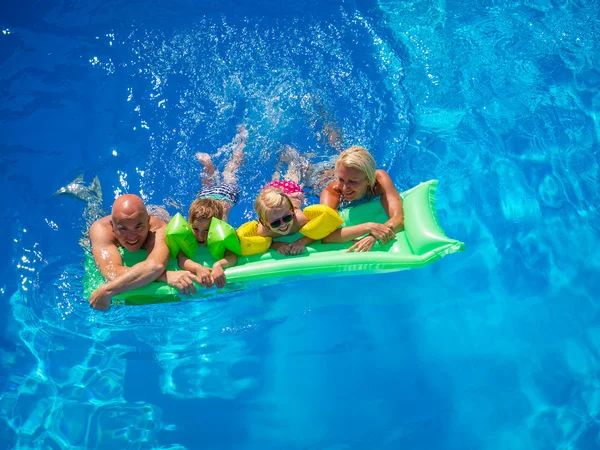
{"x":271,"y":198}
{"x":205,"y":208}
{"x":357,"y":157}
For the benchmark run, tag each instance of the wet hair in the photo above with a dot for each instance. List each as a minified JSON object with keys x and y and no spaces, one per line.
{"x":357,"y":157}
{"x":205,"y":208}
{"x":271,"y":198}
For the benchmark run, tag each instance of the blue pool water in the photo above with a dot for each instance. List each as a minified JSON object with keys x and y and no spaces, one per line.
{"x":496,"y":348}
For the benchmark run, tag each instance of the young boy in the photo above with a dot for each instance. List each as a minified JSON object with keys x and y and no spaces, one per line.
{"x":200,"y":214}
{"x":218,"y":195}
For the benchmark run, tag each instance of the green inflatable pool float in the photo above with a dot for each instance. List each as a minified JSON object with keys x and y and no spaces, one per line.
{"x":420,"y":243}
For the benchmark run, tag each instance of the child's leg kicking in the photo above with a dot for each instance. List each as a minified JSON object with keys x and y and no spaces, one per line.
{"x":208,"y":175}
{"x":239,"y":142}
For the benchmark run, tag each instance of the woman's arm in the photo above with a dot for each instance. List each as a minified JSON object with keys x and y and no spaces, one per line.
{"x":345,"y":234}
{"x":391,"y":201}
{"x":331,"y":196}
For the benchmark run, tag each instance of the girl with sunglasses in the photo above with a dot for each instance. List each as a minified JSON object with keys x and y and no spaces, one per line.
{"x":279,"y":214}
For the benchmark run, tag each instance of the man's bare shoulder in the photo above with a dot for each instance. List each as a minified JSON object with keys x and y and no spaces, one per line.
{"x":101,"y":229}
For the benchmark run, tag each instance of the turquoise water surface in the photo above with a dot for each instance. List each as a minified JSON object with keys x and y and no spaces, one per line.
{"x":496,"y":348}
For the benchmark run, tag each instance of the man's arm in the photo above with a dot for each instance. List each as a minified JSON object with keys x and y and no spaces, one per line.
{"x":106,"y":253}
{"x":129,"y":278}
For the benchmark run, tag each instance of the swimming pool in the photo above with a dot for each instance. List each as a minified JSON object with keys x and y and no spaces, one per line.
{"x":497,"y":100}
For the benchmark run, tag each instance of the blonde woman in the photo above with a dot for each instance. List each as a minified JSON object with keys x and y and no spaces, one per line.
{"x":359,"y":181}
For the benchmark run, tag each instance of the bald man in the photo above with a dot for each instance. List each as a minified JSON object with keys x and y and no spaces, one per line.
{"x":131,"y":227}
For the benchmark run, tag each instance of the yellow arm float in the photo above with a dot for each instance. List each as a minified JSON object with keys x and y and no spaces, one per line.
{"x":250,"y":242}
{"x":322,"y":221}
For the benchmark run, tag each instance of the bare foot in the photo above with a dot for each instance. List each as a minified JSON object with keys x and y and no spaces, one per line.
{"x":206,"y":161}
